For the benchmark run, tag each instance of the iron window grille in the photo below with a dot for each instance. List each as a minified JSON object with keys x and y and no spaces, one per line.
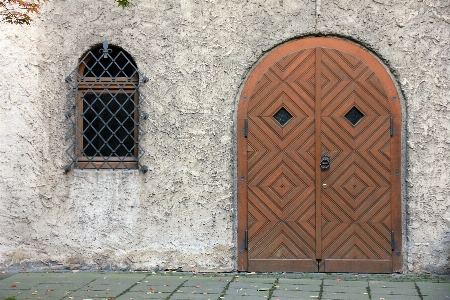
{"x":105,"y":111}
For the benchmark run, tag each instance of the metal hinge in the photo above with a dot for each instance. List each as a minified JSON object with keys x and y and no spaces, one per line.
{"x":246,"y":240}
{"x":393,"y":242}
{"x":392,"y":127}
{"x":245,"y":129}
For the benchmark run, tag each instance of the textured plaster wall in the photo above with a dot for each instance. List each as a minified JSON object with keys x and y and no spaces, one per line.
{"x":182,"y":213}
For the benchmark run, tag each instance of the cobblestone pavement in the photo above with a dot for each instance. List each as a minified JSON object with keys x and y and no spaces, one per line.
{"x":247,"y":286}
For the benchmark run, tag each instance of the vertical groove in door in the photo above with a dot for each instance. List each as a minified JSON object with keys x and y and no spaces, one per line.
{"x":318,"y":110}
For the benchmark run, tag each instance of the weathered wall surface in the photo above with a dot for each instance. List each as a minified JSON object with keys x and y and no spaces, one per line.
{"x":182,"y":213}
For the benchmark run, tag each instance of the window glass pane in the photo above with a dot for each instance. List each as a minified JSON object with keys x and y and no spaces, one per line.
{"x":282,"y":116}
{"x":108,"y":123}
{"x":354,"y":115}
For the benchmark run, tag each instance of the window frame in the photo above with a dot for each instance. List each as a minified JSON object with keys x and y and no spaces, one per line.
{"x":83,"y":85}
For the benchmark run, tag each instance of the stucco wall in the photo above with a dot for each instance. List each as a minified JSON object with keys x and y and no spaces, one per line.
{"x":182,"y":213}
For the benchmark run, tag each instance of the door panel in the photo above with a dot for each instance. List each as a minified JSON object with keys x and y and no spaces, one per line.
{"x":298,"y":217}
{"x":358,"y":187}
{"x":280,"y":183}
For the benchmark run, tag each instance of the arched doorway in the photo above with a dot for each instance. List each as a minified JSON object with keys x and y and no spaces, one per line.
{"x":319,"y":162}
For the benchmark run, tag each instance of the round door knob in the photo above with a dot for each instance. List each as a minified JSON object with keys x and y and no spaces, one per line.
{"x":324,"y":185}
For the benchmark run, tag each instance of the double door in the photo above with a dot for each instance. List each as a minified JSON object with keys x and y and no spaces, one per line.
{"x":319,"y":162}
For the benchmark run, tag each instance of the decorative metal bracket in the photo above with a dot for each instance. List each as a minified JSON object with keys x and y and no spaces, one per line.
{"x":105,"y":49}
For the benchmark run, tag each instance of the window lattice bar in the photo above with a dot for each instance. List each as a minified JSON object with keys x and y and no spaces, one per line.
{"x":105,"y":112}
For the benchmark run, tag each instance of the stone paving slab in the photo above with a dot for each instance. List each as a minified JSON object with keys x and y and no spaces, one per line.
{"x":336,"y":287}
{"x":142,"y":295}
{"x":71,"y":298}
{"x":17,"y":294}
{"x":247,"y":292}
{"x":204,"y":289}
{"x":380,"y":292}
{"x":108,"y":293}
{"x":345,"y":283}
{"x":178,"y":296}
{"x":344,"y":296}
{"x":246,"y":279}
{"x":247,"y":297}
{"x":17,"y":284}
{"x":394,"y":297}
{"x":259,"y":288}
{"x":212,"y":281}
{"x":36,"y":278}
{"x":53,"y":291}
{"x":173,"y":280}
{"x":351,"y":290}
{"x":391,"y":290}
{"x":159,"y":283}
{"x":434,"y":291}
{"x":201,"y":285}
{"x":153,"y":288}
{"x":145,"y":285}
{"x":386,"y":284}
{"x":311,"y":289}
{"x":32,"y":295}
{"x":58,"y":286}
{"x":194,"y":290}
{"x":299,"y":281}
{"x":309,"y":286}
{"x":283,"y":294}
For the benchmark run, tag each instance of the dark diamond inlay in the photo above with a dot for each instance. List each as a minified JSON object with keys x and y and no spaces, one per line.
{"x":282,"y":116}
{"x":354,"y":115}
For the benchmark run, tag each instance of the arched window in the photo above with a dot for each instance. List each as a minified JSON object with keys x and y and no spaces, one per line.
{"x":105,"y":112}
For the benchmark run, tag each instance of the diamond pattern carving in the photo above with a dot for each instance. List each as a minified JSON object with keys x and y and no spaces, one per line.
{"x":282,"y":186}
{"x":283,"y":252}
{"x":354,"y":186}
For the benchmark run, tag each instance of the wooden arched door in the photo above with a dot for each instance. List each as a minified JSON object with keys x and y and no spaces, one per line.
{"x":319,"y":161}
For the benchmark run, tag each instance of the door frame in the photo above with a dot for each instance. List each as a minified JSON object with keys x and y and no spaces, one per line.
{"x":396,"y":151}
